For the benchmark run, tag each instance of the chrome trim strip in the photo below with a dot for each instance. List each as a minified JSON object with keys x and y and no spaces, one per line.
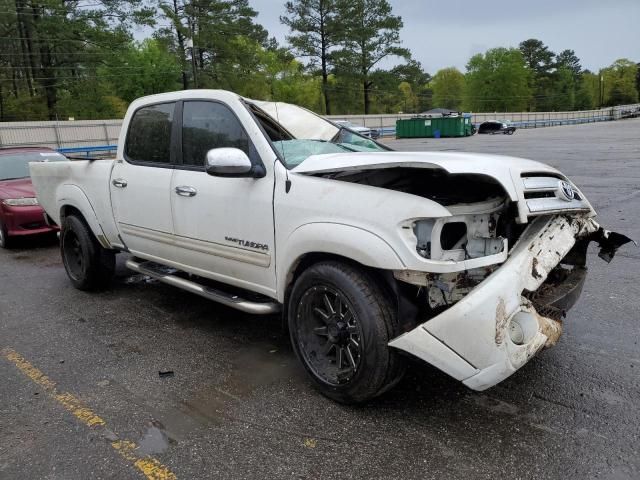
{"x":224,"y":251}
{"x":210,"y":248}
{"x":544,"y":205}
{"x":540,"y":183}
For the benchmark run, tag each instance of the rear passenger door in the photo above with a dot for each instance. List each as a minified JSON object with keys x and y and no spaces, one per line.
{"x":223,"y":226}
{"x":141,"y":182}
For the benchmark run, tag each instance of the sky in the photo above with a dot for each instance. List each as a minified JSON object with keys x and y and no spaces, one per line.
{"x":447,"y":33}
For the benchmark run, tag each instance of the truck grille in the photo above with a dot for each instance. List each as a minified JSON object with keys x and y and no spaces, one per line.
{"x":548,"y":194}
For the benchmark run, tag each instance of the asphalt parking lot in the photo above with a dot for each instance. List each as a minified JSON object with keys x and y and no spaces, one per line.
{"x":81,"y":395}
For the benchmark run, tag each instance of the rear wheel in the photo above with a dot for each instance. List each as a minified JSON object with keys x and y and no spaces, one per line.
{"x":340,"y":323}
{"x":89,"y":265}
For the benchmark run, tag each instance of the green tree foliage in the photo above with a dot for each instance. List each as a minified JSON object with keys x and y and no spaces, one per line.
{"x":316,"y":30}
{"x":404,"y":88}
{"x":51,"y":47}
{"x":537,"y":56}
{"x":448,"y":88}
{"x":151,"y":68}
{"x":371,"y":34}
{"x":67,"y":58}
{"x":568,"y":59}
{"x":563,"y":94}
{"x":620,"y":82}
{"x":390,"y":94}
{"x":210,"y":39}
{"x":413,"y":74}
{"x":540,"y":63}
{"x":587,"y":93}
{"x":497,"y":81}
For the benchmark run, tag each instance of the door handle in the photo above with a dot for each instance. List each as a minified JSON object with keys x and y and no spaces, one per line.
{"x":119,"y":182}
{"x":186,"y":191}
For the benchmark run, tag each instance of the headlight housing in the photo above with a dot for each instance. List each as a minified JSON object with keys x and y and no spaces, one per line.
{"x":21,"y":202}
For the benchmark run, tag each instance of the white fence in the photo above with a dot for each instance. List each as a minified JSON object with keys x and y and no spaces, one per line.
{"x":520,"y":119}
{"x":92,"y":133}
{"x":82,"y":133}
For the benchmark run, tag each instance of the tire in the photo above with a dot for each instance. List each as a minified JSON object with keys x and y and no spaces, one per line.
{"x":340,"y":323}
{"x":5,"y":240}
{"x":88,"y":265}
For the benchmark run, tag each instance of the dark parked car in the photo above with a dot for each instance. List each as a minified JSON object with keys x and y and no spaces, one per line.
{"x":20,"y":213}
{"x":496,"y":126}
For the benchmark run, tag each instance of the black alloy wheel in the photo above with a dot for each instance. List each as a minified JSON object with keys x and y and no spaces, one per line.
{"x":329,"y":333}
{"x":341,"y":319}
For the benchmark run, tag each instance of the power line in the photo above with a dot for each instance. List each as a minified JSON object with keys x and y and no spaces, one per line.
{"x":51,"y":39}
{"x":90,"y":77}
{"x":343,"y":88}
{"x":60,"y":15}
{"x":99,"y":13}
{"x":376,"y":92}
{"x":18,"y":7}
{"x":37,"y":54}
{"x":80,"y":67}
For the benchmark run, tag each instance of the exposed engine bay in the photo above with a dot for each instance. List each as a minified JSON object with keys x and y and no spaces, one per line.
{"x":482,"y":227}
{"x":434,"y":184}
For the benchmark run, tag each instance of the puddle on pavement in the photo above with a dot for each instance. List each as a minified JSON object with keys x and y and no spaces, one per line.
{"x":252,"y":370}
{"x":155,"y":440}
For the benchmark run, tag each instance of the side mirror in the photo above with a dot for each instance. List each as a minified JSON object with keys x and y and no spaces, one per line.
{"x":228,"y":162}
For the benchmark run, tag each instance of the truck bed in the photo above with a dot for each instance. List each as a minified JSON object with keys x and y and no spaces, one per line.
{"x":81,"y":184}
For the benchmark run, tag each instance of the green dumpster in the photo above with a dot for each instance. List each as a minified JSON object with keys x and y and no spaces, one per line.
{"x":434,"y":127}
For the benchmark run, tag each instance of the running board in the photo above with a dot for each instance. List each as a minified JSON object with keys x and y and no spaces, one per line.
{"x":165,"y":275}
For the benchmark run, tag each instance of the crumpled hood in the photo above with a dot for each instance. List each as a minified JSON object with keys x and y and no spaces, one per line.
{"x":502,"y":168}
{"x":21,"y":188}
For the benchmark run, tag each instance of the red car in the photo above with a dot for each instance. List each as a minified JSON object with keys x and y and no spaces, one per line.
{"x":20,"y":213}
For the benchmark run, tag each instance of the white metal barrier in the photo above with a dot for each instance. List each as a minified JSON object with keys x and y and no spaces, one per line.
{"x":88,"y":133}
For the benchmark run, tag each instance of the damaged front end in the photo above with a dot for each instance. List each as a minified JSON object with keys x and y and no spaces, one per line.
{"x":487,"y":285}
{"x":488,"y":321}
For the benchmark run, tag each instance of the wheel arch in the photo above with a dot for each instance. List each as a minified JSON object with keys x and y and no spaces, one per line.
{"x":312,"y":243}
{"x":73,"y":201}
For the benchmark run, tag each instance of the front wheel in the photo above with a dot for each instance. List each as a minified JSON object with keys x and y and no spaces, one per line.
{"x":5,"y":241}
{"x":89,"y":265}
{"x":341,"y":322}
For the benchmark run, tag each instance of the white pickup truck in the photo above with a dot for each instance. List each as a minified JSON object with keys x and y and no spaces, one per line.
{"x":466,"y":261}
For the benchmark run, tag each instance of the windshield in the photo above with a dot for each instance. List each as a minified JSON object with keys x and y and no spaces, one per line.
{"x":16,"y":165}
{"x":298,"y":133}
{"x":297,"y":151}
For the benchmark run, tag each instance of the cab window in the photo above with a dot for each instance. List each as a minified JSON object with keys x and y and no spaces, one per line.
{"x":149,"y":135}
{"x":208,"y":125}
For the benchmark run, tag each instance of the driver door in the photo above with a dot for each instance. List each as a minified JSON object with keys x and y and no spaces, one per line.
{"x":223,"y":226}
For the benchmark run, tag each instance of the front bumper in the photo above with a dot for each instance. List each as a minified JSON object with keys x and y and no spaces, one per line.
{"x":20,"y":221}
{"x":473,"y":340}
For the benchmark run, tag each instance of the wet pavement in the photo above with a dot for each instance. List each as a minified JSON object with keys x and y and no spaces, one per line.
{"x":239,"y":406}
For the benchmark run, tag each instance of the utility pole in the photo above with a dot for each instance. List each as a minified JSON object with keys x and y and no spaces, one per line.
{"x":183,"y":67}
{"x":601,"y":89}
{"x":191,"y":45}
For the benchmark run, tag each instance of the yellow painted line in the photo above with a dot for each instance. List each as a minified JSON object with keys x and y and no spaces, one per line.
{"x":149,"y":466}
